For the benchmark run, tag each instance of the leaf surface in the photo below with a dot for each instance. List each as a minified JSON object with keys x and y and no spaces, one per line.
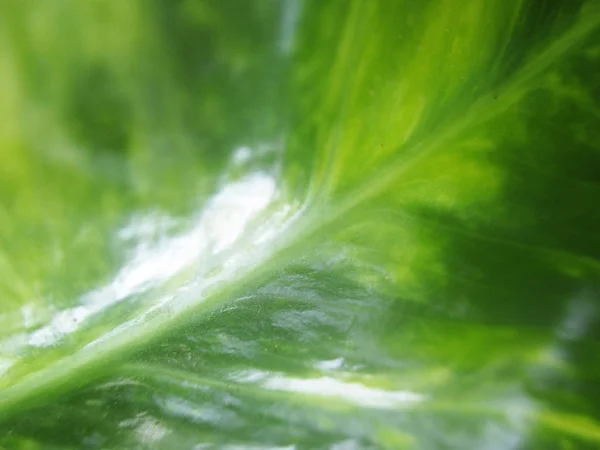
{"x":300,"y":224}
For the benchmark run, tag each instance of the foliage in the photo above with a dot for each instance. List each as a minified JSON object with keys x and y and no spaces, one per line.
{"x":286,"y":224}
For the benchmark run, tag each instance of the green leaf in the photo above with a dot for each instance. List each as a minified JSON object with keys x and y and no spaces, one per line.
{"x":361,"y":224}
